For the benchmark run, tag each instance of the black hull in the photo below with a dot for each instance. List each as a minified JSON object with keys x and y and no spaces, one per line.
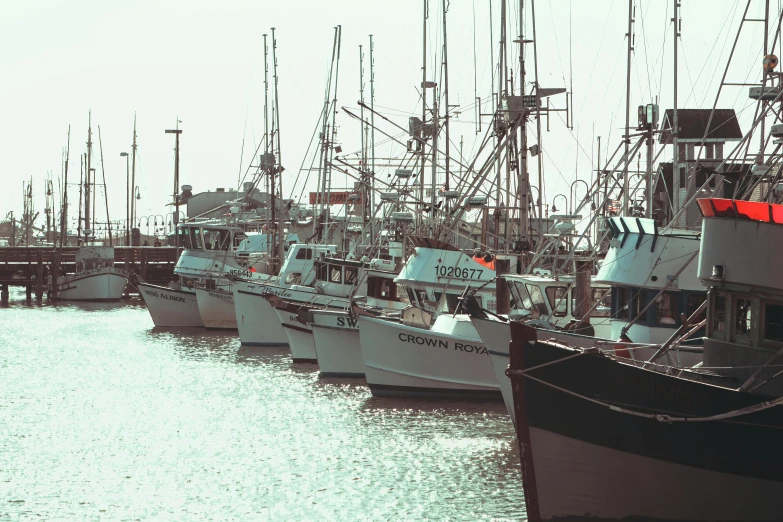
{"x":722,"y":463}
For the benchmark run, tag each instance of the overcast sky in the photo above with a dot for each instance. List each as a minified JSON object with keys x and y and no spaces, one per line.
{"x":202,"y":62}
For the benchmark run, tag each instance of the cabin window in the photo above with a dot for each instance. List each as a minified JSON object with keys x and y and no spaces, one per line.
{"x":335,"y":274}
{"x":773,"y":322}
{"x":238,"y":238}
{"x":321,"y":271}
{"x":381,"y":288}
{"x":743,"y":317}
{"x":629,"y":304}
{"x":621,"y":301}
{"x":304,"y":253}
{"x":209,"y":239}
{"x":666,"y":309}
{"x":195,"y":238}
{"x":537,"y":303}
{"x":719,"y":314}
{"x":447,"y":304}
{"x":603,"y":298}
{"x":694,"y":302}
{"x":351,"y":274}
{"x":222,"y":240}
{"x":558,"y":298}
{"x":412,"y":296}
{"x":184,"y":238}
{"x":293,"y":278}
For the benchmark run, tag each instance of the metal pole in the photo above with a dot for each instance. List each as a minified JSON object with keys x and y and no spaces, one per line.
{"x":372,"y":135}
{"x":423,"y":106}
{"x":626,"y":139}
{"x":87,"y":185}
{"x":280,"y":228}
{"x":675,"y":127}
{"x":133,"y":174}
{"x":176,"y":133}
{"x":541,"y":192}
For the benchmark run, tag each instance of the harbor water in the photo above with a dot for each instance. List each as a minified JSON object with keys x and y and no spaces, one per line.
{"x":103,"y":417}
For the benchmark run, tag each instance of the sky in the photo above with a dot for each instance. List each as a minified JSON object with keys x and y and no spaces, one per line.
{"x":201,"y":63}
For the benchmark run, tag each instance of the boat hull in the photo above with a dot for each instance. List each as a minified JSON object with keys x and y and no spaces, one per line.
{"x":216,"y":308}
{"x":407,"y":361}
{"x":171,"y":307}
{"x":584,"y":460}
{"x":99,"y":284}
{"x":256,"y":320}
{"x":496,"y":335}
{"x":337,"y":344}
{"x":300,"y":336}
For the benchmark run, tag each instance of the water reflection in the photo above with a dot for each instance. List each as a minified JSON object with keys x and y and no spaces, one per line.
{"x":103,"y":416}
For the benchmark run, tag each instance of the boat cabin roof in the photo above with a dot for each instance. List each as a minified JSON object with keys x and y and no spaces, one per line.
{"x":740,"y":209}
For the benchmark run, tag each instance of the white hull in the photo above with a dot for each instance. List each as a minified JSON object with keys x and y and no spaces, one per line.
{"x":256,"y":320}
{"x":98,"y":284}
{"x":407,"y":361}
{"x":573,"y":476}
{"x":171,"y":307}
{"x":496,"y":336}
{"x":300,"y":337}
{"x":337,"y":344}
{"x":216,"y":308}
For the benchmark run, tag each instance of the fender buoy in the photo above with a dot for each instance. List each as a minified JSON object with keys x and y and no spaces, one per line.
{"x":621,"y":349}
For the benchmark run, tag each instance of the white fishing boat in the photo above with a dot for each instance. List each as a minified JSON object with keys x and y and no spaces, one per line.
{"x":411,"y":356}
{"x":256,"y":319}
{"x":335,"y":281}
{"x":216,"y":307}
{"x":174,"y":305}
{"x":95,"y":279}
{"x":336,"y":332}
{"x":209,"y":248}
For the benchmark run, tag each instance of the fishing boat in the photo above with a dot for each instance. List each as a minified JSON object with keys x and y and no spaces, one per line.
{"x":336,"y":332}
{"x":336,"y":281}
{"x":96,"y":278}
{"x":604,"y":438}
{"x":257,"y":322}
{"x":431,"y":350}
{"x":209,"y":249}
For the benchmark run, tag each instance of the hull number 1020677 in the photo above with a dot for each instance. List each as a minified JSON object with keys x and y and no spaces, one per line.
{"x":457,"y":272}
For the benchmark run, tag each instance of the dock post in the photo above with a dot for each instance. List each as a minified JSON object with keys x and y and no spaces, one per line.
{"x":126,"y":265}
{"x":53,"y":272}
{"x":39,"y":269}
{"x":4,"y":293}
{"x":144,"y":263}
{"x":503,"y":296}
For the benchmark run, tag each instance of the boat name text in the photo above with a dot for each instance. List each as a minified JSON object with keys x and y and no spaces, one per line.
{"x":440,"y":343}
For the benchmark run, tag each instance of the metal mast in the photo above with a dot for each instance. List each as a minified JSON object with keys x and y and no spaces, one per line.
{"x":541,"y":193}
{"x":675,"y":126}
{"x":365,"y":192}
{"x":446,"y":98}
{"x":423,"y":106}
{"x":627,"y":139}
{"x":133,"y":176}
{"x":279,"y":170}
{"x":372,"y":135}
{"x":87,"y":185}
{"x":522,"y":179}
{"x":64,"y":215}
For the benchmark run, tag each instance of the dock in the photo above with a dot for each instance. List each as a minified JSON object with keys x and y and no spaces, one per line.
{"x":30,"y":266}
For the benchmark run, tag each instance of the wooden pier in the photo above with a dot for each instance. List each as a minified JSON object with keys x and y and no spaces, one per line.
{"x":30,"y":266}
